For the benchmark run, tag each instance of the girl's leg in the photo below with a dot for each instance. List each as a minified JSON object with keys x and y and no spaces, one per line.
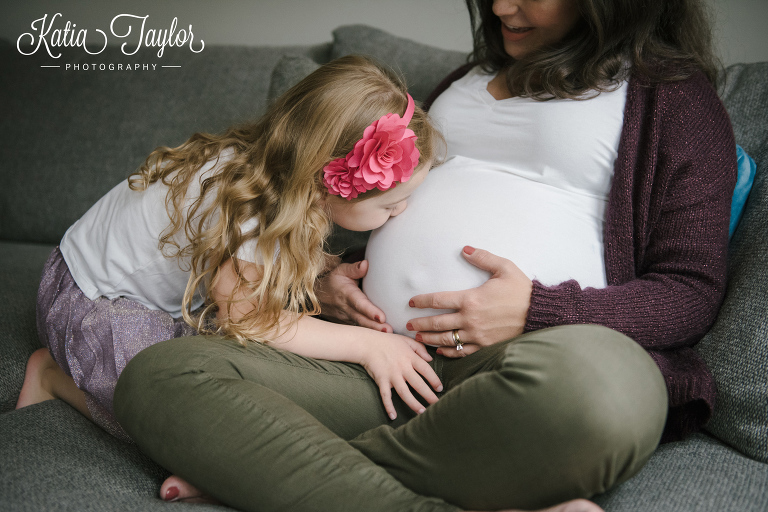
{"x":45,"y":380}
{"x":241,"y":424}
{"x":551,"y":415}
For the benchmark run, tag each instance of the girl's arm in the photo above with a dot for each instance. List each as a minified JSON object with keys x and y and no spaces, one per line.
{"x":342,"y":299}
{"x":393,"y":361}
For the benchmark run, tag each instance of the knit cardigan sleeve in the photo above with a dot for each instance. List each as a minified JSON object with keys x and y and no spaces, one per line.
{"x":666,"y":226}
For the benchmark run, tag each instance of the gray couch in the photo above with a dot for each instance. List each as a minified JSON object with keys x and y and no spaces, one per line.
{"x":67,"y":136}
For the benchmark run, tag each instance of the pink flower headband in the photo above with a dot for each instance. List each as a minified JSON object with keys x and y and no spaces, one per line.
{"x":385,"y":155}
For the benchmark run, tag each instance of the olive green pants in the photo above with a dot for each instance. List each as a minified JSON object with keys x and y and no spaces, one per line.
{"x":548,"y":416}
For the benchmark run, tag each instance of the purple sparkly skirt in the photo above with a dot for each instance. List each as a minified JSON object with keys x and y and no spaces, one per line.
{"x":93,"y":340}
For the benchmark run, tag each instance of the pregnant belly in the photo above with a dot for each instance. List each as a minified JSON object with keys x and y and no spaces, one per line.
{"x":553,"y":235}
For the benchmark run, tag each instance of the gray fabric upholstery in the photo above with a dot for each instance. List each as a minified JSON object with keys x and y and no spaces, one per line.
{"x":21,"y":266}
{"x":423,"y":66}
{"x":696,"y":475}
{"x":55,"y":459}
{"x":736,"y":349}
{"x":76,"y":136}
{"x":289,"y":71}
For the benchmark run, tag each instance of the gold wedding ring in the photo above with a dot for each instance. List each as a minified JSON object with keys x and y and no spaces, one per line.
{"x":457,"y":340}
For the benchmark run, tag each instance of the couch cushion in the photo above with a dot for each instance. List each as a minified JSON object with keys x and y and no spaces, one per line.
{"x":695,"y":475}
{"x":736,"y":349}
{"x":289,"y":71}
{"x":55,"y":459}
{"x":70,"y":135}
{"x":21,"y":266}
{"x":423,"y":66}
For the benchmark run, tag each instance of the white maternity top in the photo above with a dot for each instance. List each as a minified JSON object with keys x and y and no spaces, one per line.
{"x":525,"y":179}
{"x":113,"y":250}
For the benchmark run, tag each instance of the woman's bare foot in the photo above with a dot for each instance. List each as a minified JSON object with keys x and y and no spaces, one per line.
{"x":569,"y":506}
{"x":36,"y":387}
{"x":575,"y":506}
{"x":177,"y":489}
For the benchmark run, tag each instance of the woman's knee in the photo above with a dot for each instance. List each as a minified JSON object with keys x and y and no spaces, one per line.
{"x":595,"y":391}
{"x":157,"y":375}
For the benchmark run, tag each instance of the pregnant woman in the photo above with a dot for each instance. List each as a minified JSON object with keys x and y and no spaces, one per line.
{"x":592,"y":165}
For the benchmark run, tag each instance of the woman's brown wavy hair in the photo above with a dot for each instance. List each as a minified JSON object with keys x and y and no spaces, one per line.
{"x":275,"y":176}
{"x":661,"y":40}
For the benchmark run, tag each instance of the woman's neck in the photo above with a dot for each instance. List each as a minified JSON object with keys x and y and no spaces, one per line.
{"x":497,"y":87}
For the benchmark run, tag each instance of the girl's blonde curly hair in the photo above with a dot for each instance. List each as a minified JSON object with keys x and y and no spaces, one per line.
{"x":275,"y":176}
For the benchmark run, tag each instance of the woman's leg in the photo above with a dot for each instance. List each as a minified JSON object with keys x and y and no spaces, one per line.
{"x":549,"y":416}
{"x":242,"y":425}
{"x":552,"y":415}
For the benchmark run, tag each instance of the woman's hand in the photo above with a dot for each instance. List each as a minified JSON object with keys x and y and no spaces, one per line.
{"x":493,"y":312}
{"x":342,"y":299}
{"x":395,"y":361}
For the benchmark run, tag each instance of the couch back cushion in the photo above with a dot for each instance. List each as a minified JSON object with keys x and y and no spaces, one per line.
{"x":736,"y":349}
{"x":422,"y":66}
{"x":67,"y":136}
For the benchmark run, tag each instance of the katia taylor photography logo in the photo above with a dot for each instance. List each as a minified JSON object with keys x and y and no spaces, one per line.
{"x":132,"y":32}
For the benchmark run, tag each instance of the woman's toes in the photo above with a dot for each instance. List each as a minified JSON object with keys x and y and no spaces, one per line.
{"x":575,"y":506}
{"x":176,"y":488}
{"x":568,"y":506}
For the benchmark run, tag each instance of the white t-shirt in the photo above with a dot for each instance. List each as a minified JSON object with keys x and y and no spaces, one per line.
{"x":526,"y":180}
{"x":113,"y":250}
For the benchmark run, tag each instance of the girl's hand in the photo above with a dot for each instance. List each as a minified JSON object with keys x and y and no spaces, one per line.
{"x":342,"y":299}
{"x":395,"y":361}
{"x":493,"y":312}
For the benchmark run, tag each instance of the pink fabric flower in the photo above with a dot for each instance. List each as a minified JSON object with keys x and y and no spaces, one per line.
{"x":338,"y":179}
{"x":385,"y":156}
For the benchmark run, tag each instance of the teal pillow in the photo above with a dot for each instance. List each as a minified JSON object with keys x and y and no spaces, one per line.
{"x":747,"y":169}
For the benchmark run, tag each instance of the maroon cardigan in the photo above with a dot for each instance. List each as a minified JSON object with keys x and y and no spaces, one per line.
{"x":666,"y":238}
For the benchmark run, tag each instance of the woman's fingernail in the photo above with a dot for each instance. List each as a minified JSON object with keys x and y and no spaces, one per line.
{"x":171,"y":493}
{"x":392,"y":416}
{"x":469,"y":250}
{"x":421,"y":411}
{"x":411,"y":304}
{"x":439,"y":351}
{"x":383,"y":329}
{"x":418,"y":338}
{"x":377,"y":318}
{"x":439,"y":388}
{"x":409,"y":326}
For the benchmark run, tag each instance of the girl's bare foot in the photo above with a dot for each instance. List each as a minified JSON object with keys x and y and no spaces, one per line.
{"x":177,"y":489}
{"x":45,"y":380}
{"x":569,"y":506}
{"x":36,"y":387}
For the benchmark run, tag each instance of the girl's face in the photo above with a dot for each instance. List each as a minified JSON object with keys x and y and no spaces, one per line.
{"x":527,"y":25}
{"x":374,"y":212}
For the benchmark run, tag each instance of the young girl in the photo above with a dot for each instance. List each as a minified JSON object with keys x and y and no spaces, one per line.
{"x":225,"y":234}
